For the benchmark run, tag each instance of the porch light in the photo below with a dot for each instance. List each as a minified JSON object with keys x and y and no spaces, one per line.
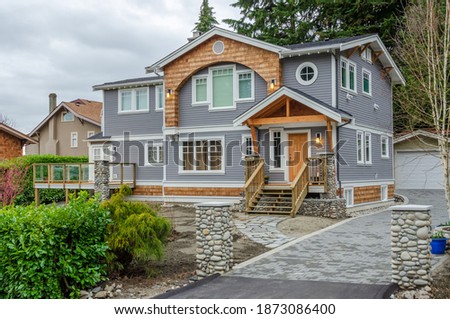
{"x":272,"y":83}
{"x":318,"y":139}
{"x":169,"y":93}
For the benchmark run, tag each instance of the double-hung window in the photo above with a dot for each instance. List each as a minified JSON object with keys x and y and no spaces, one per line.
{"x":275,"y":150}
{"x":359,"y":147}
{"x":247,"y":145}
{"x":222,"y":88}
{"x":134,"y":100}
{"x":159,"y":98}
{"x":74,"y":139}
{"x":202,"y":156}
{"x":200,"y":90}
{"x":384,"y":147}
{"x":245,"y":85}
{"x":155,"y":153}
{"x":368,"y":148}
{"x":363,"y":148}
{"x":366,"y":82}
{"x":348,"y":75}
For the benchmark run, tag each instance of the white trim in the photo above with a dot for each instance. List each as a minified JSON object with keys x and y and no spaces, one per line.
{"x":333,"y":81}
{"x":368,"y":159}
{"x":206,"y":36}
{"x":148,"y":183}
{"x":72,"y":136}
{"x":194,"y":90}
{"x":349,"y":202}
{"x":414,"y":134}
{"x":159,"y":108}
{"x":204,"y":184}
{"x":160,"y":148}
{"x":360,"y":134}
{"x":244,"y":137}
{"x":181,"y":171}
{"x":90,"y":134}
{"x":252,"y":86}
{"x":214,"y":48}
{"x":301,"y":67}
{"x":284,"y":91}
{"x":133,"y":101}
{"x":357,"y":127}
{"x":185,"y":199}
{"x":205,"y":129}
{"x":370,"y":82}
{"x":210,"y":87}
{"x":349,"y":63}
{"x":367,"y":183}
{"x":102,"y":124}
{"x":272,"y":153}
{"x":137,"y":137}
{"x":67,"y":112}
{"x":387,"y":146}
{"x":127,"y":85}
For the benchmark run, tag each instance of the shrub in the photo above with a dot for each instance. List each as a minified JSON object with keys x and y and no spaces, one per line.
{"x":50,"y":251}
{"x":24,"y":163}
{"x":136,"y":233}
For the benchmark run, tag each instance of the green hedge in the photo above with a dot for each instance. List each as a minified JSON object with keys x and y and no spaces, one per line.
{"x":51,"y":251}
{"x":46,"y":195}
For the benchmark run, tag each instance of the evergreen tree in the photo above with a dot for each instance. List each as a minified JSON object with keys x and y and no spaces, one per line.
{"x":285,"y":22}
{"x":206,"y":20}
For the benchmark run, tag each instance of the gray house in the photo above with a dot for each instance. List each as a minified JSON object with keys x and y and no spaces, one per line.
{"x":225,"y":111}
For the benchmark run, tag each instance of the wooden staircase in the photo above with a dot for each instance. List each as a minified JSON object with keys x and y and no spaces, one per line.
{"x":272,"y":200}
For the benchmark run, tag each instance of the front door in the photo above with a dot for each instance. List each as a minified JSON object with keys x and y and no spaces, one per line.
{"x":298,"y":153}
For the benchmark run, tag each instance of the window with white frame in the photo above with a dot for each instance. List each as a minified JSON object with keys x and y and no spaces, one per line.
{"x":200,"y":90}
{"x":74,"y":139}
{"x":97,"y":153}
{"x":366,"y":82}
{"x":348,"y":75}
{"x":306,"y":73}
{"x":366,"y":55}
{"x":349,"y":196}
{"x":159,"y":98}
{"x":384,"y":147}
{"x":222,"y":88}
{"x":133,"y":100}
{"x":247,"y":145}
{"x":202,"y":156}
{"x":384,"y":193}
{"x":245,"y":85}
{"x":359,"y":147}
{"x":155,"y":153}
{"x":103,"y":153}
{"x":368,"y":148}
{"x":275,"y":150}
{"x":67,"y":116}
{"x":90,"y":134}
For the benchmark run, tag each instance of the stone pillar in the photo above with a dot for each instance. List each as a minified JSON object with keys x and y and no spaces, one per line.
{"x":410,"y":242}
{"x":330,"y":168}
{"x":214,"y":239}
{"x":101,"y":177}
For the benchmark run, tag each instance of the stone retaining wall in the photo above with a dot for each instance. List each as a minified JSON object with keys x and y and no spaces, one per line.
{"x":331,"y":208}
{"x":214,"y":238}
{"x":410,"y":242}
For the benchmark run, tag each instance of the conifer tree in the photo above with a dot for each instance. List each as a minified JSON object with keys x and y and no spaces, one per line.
{"x":206,"y":20}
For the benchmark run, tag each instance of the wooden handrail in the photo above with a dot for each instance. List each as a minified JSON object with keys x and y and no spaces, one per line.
{"x":299,"y":188}
{"x":254,"y":184}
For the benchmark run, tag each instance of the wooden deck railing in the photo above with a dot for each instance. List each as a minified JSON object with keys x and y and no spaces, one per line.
{"x":299,"y":188}
{"x":81,"y":173}
{"x":254,"y":183}
{"x":317,"y":172}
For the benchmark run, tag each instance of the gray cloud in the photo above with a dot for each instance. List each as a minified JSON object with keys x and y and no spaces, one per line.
{"x":66,"y":47}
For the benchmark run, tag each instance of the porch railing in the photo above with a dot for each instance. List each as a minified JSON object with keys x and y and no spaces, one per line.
{"x":255,"y":180}
{"x":317,"y":172}
{"x":81,"y":173}
{"x":299,"y":188}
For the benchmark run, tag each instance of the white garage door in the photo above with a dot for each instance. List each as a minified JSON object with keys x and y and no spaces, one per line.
{"x":418,"y":170}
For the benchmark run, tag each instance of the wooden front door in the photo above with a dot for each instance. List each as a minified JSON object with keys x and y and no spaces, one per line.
{"x":298,"y":153}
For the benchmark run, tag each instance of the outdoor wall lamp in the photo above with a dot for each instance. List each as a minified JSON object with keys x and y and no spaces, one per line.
{"x":169,"y":93}
{"x":318,"y":139}
{"x":272,"y":83}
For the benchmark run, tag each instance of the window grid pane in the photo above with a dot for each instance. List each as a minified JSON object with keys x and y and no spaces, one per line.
{"x":352,"y":77}
{"x":245,"y":85}
{"x":344,"y":74}
{"x":222,"y":88}
{"x":277,"y":149}
{"x":200,"y":90}
{"x":359,"y":148}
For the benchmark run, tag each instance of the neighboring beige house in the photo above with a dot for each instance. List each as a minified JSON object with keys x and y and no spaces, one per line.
{"x":65,"y":130}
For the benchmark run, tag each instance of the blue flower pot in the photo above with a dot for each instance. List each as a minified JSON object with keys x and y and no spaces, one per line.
{"x":438,"y":245}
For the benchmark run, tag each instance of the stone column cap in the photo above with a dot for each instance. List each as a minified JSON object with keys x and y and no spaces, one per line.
{"x":214,"y":204}
{"x":419,"y":208}
{"x":325,"y":153}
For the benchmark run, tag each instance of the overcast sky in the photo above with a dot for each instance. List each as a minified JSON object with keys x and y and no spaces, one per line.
{"x":68,"y":46}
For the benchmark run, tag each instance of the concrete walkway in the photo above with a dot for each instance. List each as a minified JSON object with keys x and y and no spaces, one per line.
{"x":350,"y":259}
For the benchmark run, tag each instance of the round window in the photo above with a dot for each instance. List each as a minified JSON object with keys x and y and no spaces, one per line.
{"x":306,"y":73}
{"x":218,"y":47}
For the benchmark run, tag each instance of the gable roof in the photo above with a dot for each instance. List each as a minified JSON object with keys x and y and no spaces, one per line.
{"x":89,"y":111}
{"x":208,"y":35}
{"x":309,"y":101}
{"x":16,"y":133}
{"x":290,"y":50}
{"x":417,"y":133}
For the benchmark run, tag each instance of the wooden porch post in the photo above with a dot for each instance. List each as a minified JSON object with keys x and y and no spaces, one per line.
{"x":254,"y":139}
{"x":67,"y":196}
{"x":329,"y":136}
{"x":37,"y":199}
